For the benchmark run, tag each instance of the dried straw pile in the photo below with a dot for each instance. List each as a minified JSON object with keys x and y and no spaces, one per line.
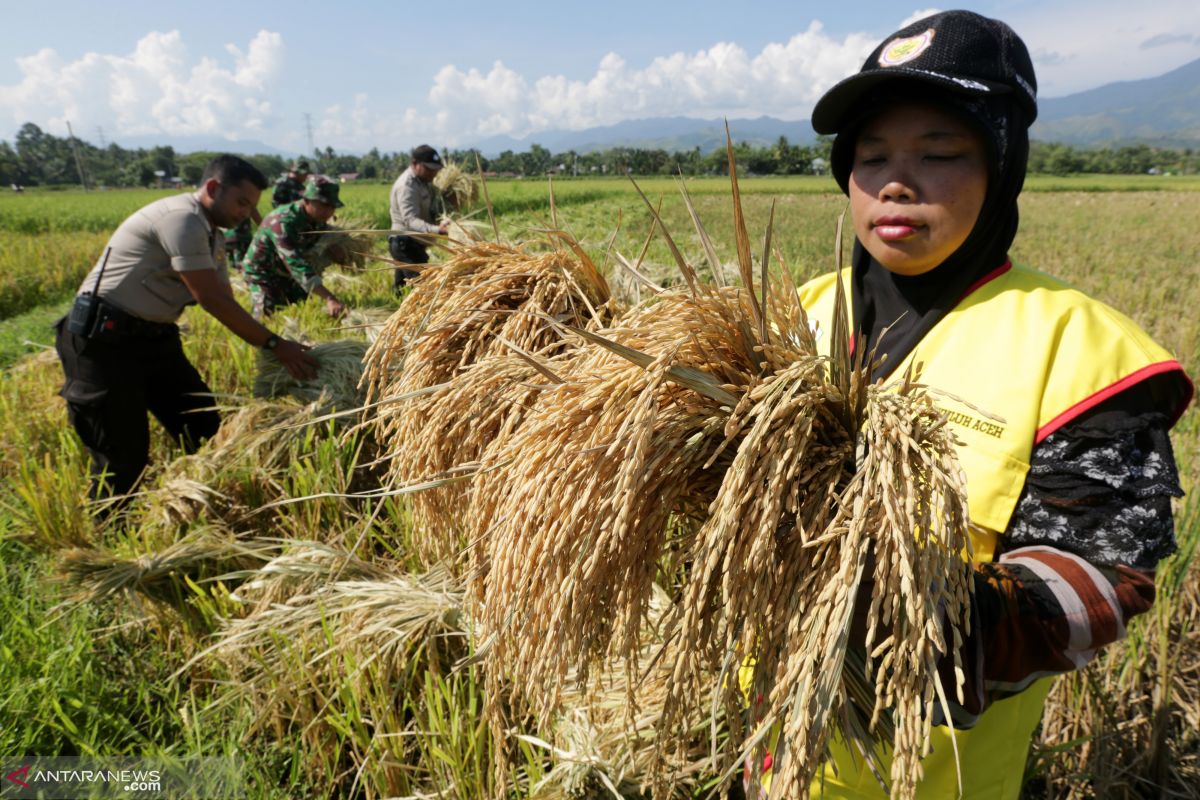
{"x":459,"y":187}
{"x":702,"y":437}
{"x":601,"y":746}
{"x":349,"y":244}
{"x":456,"y":366}
{"x":606,"y":472}
{"x":206,"y":553}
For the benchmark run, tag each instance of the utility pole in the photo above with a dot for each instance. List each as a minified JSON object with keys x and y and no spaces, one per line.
{"x":100,"y":137}
{"x":78,"y":161}
{"x":312,"y":150}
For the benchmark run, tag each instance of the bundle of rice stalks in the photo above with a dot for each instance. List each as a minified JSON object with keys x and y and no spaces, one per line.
{"x":459,"y":188}
{"x":481,"y":306}
{"x":167,"y":576}
{"x":598,"y":750}
{"x":606,"y":476}
{"x":335,"y":386}
{"x":779,"y":474}
{"x":804,"y":524}
{"x":350,"y":243}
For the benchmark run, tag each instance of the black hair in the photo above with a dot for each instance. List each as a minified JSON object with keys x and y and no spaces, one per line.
{"x":232,"y":170}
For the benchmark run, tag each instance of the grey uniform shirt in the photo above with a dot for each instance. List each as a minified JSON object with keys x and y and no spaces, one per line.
{"x":412,"y":204}
{"x":149,"y":250}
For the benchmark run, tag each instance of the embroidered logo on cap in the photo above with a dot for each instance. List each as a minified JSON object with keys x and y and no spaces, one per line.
{"x":901,"y":51}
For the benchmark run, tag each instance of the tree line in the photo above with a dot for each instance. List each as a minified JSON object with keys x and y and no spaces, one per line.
{"x":38,"y":158}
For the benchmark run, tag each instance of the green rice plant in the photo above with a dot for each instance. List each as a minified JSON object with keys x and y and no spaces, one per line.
{"x":48,"y":497}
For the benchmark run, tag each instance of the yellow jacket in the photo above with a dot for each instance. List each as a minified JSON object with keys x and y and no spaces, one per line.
{"x":1033,"y":353}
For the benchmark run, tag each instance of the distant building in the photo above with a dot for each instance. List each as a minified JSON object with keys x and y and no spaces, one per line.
{"x":347,"y":177}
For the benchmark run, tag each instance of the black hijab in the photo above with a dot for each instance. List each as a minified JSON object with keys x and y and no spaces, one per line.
{"x":907,"y":307}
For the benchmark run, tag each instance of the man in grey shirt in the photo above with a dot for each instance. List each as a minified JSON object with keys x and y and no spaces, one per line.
{"x":120,"y":347}
{"x":414,"y":208}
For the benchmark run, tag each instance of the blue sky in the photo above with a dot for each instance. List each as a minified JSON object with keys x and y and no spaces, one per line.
{"x":389,"y":74}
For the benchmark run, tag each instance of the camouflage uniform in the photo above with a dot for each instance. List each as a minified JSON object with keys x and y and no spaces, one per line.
{"x":287,"y":188}
{"x":284,"y":265}
{"x":237,"y":242}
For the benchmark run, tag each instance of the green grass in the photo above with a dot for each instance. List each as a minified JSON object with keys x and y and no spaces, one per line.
{"x":29,"y":332}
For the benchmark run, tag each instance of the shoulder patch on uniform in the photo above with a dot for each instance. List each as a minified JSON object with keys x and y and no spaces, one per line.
{"x":904,"y":50}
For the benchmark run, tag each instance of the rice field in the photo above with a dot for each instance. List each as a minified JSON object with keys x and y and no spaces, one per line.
{"x":278,"y":594}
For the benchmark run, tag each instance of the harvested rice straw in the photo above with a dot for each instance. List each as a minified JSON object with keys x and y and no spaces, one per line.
{"x":458,"y":307}
{"x":339,"y":369}
{"x":483,"y":304}
{"x":577,"y":513}
{"x":207,"y":553}
{"x":349,"y":244}
{"x":254,"y":446}
{"x":364,"y":643}
{"x":448,"y":430}
{"x":458,"y":187}
{"x":301,"y":568}
{"x":779,"y":563}
{"x":594,"y":747}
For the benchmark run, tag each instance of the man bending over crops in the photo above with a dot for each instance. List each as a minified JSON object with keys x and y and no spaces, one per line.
{"x":284,"y":263}
{"x":413,"y":209}
{"x":120,"y":347}
{"x":290,"y":187}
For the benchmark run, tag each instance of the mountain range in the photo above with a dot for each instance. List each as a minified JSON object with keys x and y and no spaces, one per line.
{"x":1162,"y":111}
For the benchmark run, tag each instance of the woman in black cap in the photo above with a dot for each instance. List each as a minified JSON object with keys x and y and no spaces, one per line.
{"x":1070,"y":472}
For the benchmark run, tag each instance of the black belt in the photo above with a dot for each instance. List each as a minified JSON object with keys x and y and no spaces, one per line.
{"x":113,"y":322}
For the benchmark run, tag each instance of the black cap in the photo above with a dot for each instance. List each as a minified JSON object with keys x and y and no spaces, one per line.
{"x":958,"y":51}
{"x":424,"y":154}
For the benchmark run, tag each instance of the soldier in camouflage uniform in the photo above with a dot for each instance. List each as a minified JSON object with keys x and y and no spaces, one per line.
{"x":284,"y":265}
{"x":237,"y":240}
{"x":290,"y":187}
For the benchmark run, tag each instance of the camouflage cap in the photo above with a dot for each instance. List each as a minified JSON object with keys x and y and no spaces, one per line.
{"x":324,"y":189}
{"x":300,"y":165}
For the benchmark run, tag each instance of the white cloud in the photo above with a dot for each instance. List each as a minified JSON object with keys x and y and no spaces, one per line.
{"x":783,"y":79}
{"x":159,"y":89}
{"x":151,"y":90}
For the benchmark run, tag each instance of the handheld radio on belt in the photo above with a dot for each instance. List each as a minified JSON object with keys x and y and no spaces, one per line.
{"x":82,"y":317}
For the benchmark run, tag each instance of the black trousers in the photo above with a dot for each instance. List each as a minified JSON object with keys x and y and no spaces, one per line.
{"x":410,"y":251}
{"x":111,"y":384}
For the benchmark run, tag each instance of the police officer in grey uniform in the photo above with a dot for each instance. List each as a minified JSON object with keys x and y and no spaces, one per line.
{"x":413,"y":207}
{"x":120,"y":347}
